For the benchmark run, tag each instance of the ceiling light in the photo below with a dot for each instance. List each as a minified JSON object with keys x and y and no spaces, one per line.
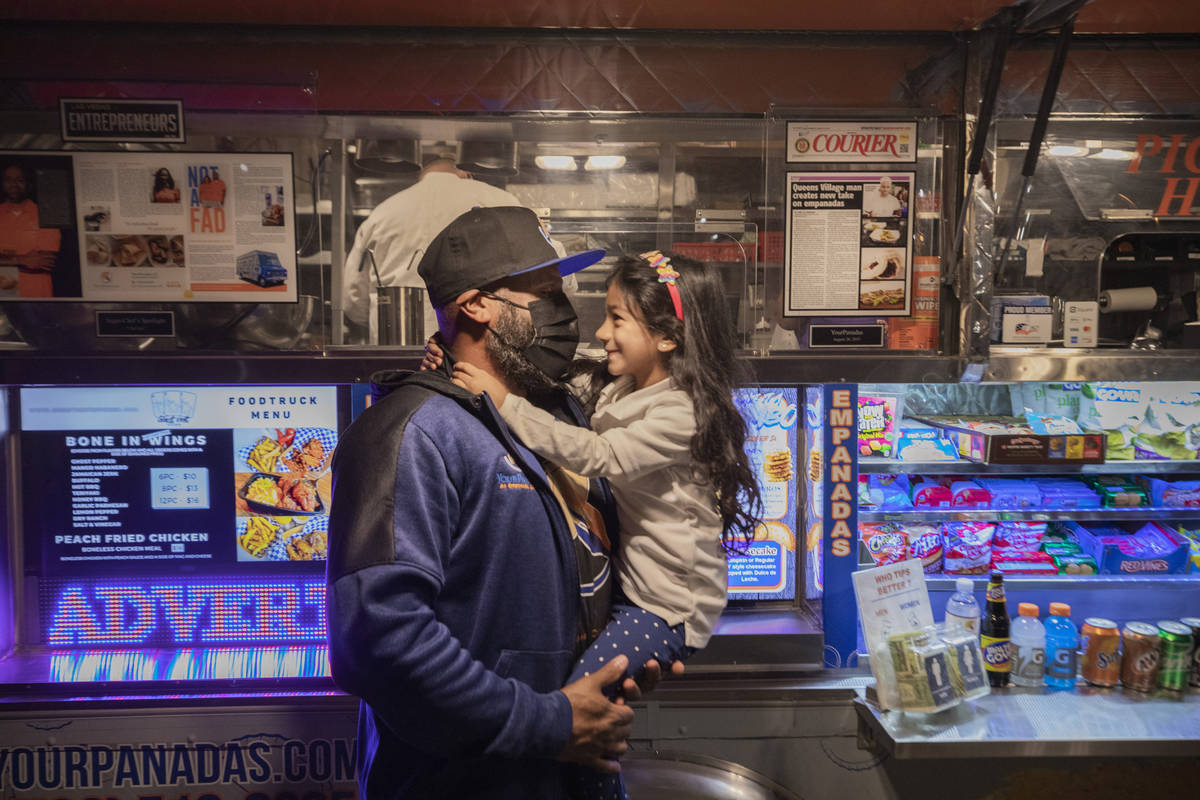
{"x":1113,"y":155}
{"x":555,"y":162}
{"x":1067,"y":151}
{"x":604,"y":162}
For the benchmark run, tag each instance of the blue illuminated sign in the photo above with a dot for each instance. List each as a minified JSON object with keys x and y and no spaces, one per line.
{"x":142,"y":613}
{"x":190,"y":664}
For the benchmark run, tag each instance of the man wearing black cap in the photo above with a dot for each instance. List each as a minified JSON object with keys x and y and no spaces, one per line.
{"x":464,"y":574}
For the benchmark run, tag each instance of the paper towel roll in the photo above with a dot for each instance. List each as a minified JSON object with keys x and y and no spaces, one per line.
{"x":1143,"y":298}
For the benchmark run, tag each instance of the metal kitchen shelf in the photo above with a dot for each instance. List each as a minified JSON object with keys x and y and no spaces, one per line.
{"x":1007,"y":363}
{"x":25,"y":365}
{"x":1144,"y":514}
{"x":891,"y":466}
{"x":1016,"y":722}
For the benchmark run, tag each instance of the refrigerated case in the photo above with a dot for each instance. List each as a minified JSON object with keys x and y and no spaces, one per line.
{"x":928,"y":472}
{"x":1114,"y":491}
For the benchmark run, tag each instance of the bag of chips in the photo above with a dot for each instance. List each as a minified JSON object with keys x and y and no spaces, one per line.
{"x":968,"y":547}
{"x":882,"y":542}
{"x":925,"y":543}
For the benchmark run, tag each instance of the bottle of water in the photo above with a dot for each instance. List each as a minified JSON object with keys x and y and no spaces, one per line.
{"x":962,"y":610}
{"x":1062,"y":645}
{"x":1029,"y":647}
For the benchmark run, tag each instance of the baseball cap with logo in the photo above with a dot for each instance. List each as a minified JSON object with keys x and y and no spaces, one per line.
{"x":487,"y":244}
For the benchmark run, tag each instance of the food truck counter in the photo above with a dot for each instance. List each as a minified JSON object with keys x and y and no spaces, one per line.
{"x":1088,"y":721}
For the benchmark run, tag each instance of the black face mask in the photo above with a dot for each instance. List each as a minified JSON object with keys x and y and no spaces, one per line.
{"x":555,"y":333}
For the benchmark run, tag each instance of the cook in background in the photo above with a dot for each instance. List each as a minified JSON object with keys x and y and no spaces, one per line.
{"x":23,"y":242}
{"x":878,"y":201}
{"x":165,"y":190}
{"x":465,"y":575}
{"x":397,"y":233}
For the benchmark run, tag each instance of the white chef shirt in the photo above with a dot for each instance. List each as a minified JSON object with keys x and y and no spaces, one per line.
{"x":670,"y":560}
{"x":399,"y":230}
{"x":877,"y":205}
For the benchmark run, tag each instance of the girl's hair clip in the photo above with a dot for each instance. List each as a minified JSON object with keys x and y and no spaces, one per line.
{"x":661,"y":265}
{"x":666,"y":274}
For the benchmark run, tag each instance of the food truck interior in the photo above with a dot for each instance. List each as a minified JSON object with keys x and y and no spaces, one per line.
{"x":167,"y":424}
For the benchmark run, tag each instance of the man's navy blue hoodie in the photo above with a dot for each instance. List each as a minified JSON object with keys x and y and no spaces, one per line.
{"x":454,"y":602}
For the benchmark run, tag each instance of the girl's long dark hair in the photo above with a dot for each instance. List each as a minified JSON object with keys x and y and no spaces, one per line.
{"x":704,"y":365}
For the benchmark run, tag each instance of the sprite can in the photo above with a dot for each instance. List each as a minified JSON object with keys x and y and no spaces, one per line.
{"x":1175,"y":655}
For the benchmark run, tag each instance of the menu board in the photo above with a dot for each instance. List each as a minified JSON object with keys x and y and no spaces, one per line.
{"x":151,"y":480}
{"x":147,"y":226}
{"x":767,"y":569}
{"x":849,"y":244}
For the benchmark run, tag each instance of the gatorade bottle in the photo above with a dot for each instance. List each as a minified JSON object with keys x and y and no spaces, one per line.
{"x":994,"y":635}
{"x":1029,"y":647}
{"x":962,"y":611}
{"x":1062,"y":644}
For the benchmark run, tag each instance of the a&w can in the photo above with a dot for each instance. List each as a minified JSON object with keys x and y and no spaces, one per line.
{"x":1139,"y":667}
{"x":1101,"y":647}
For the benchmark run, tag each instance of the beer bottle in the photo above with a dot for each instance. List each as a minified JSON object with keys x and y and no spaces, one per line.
{"x":993,"y":633}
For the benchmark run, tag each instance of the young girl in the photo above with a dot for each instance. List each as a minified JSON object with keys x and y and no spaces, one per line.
{"x":670,"y":441}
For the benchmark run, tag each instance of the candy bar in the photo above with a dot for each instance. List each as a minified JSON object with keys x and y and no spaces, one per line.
{"x":1076,"y":564}
{"x":1021,"y":535}
{"x":1011,"y":561}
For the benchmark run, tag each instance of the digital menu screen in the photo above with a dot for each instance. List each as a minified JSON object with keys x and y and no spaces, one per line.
{"x":178,"y":515}
{"x":767,"y":569}
{"x":146,"y":479}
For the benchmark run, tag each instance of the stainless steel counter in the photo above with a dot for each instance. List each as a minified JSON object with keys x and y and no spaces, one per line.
{"x":1031,"y":722}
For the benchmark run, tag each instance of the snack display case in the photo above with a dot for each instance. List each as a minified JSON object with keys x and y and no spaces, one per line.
{"x":1113,"y":539}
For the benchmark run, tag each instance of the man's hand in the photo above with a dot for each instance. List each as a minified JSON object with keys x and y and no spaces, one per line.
{"x":599,"y":727}
{"x":632,"y":691}
{"x":473,"y":379}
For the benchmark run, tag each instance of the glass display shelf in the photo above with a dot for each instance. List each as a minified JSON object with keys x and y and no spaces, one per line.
{"x":881,"y":466}
{"x":1109,"y":583}
{"x":1143,"y":514}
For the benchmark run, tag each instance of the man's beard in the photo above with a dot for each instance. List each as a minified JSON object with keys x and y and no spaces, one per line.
{"x":510,"y":334}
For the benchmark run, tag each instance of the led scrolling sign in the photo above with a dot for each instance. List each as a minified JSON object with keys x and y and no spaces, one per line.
{"x":175,"y":614}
